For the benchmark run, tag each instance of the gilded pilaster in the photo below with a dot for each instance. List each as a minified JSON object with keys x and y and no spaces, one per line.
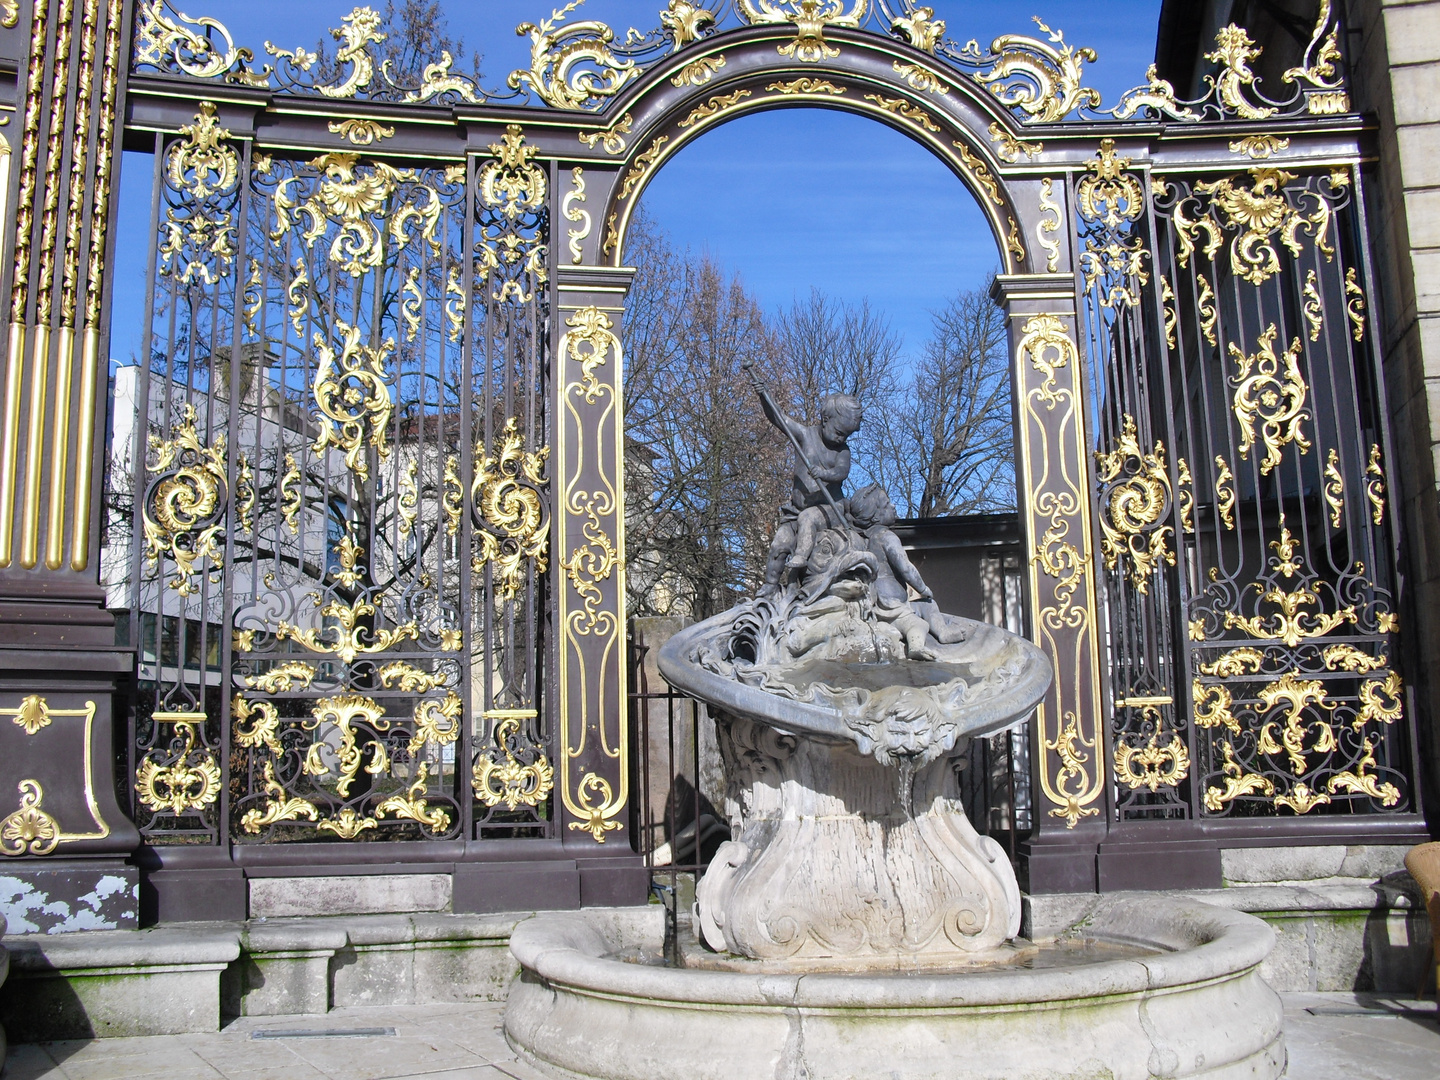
{"x":594,"y":752}
{"x":1069,"y":744}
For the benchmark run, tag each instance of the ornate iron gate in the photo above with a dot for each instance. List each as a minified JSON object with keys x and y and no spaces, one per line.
{"x":339,"y":452}
{"x":362,"y":520}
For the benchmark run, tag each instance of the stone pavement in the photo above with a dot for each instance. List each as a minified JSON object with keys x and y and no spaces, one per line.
{"x":1346,"y":1037}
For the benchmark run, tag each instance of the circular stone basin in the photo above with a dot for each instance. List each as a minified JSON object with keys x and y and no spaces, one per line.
{"x":1188,"y":1002}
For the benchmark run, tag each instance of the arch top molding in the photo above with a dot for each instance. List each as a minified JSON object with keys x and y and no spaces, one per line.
{"x":748,"y":71}
{"x":1004,"y":118}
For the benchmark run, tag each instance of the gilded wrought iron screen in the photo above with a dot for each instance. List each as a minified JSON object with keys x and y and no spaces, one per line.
{"x":1244,"y":524}
{"x":363,"y":514}
{"x":337,"y":445}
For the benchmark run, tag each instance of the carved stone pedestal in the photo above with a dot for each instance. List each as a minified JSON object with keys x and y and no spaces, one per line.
{"x":831,"y":860}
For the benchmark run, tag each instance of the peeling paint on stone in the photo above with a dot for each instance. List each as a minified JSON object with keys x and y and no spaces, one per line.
{"x":60,"y":901}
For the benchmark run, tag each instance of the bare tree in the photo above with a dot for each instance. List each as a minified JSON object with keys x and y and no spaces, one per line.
{"x":417,"y":33}
{"x":834,"y":347}
{"x":704,"y":472}
{"x":949,"y":446}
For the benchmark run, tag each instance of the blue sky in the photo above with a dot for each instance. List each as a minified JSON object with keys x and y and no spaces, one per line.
{"x":789,"y":199}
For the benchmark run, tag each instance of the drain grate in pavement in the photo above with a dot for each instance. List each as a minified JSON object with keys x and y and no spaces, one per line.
{"x":321,"y":1033}
{"x":1375,"y":1010}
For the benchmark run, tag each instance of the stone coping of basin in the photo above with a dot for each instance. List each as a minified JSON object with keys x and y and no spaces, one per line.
{"x":981,"y":718}
{"x":1209,"y":942}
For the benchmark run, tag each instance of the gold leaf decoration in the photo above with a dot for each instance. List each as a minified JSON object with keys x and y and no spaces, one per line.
{"x":1212,"y":706}
{"x":340,"y":713}
{"x":283,"y":677}
{"x":921,"y":78}
{"x":1274,"y":398}
{"x":183,"y":514}
{"x":1049,"y":84}
{"x":511,"y":782}
{"x":353,"y":396}
{"x":511,"y":514}
{"x":512,"y":182}
{"x":572,"y":66}
{"x":412,"y":806}
{"x":29,"y":830}
{"x":361,"y":132}
{"x":1135,"y":497}
{"x":716,"y":105}
{"x":1245,"y":660}
{"x":612,"y":138}
{"x":1152,"y":766}
{"x":1381,"y":700}
{"x":1355,"y":305}
{"x":1312,"y":309}
{"x":697,"y":72}
{"x":191,"y":782}
{"x":1256,"y":213}
{"x":1334,"y":488}
{"x":1362,"y":781}
{"x":436,"y":722}
{"x":278,"y":807}
{"x":911,"y":114}
{"x":1225,"y":493}
{"x":1237,"y":782}
{"x":33,"y":714}
{"x":1375,"y":486}
{"x":806,"y":85}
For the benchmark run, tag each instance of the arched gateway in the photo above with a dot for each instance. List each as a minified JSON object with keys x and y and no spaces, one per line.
{"x":358,"y":514}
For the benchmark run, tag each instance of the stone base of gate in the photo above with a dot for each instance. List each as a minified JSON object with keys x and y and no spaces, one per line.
{"x":177,"y":979}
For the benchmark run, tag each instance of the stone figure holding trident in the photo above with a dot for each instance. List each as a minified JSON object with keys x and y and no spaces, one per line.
{"x":822,"y":464}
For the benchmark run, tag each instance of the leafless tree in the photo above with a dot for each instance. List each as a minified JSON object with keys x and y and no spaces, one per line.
{"x":949,"y":446}
{"x":834,"y":347}
{"x":704,"y":470}
{"x":417,"y":33}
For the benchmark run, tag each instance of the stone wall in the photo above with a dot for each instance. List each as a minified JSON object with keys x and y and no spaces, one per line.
{"x":1395,"y":52}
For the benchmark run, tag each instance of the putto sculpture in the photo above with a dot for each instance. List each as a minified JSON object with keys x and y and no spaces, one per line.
{"x":846,"y":701}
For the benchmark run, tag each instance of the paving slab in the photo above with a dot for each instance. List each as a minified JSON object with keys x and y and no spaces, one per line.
{"x":1353,"y":1037}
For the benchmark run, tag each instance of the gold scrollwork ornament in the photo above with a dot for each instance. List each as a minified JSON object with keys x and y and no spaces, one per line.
{"x":810,"y":17}
{"x":1044,"y":81}
{"x":1237,"y":782}
{"x":1152,"y":766}
{"x":353,"y":396}
{"x":1137,"y":496}
{"x":201,"y":165}
{"x":511,"y":782}
{"x":29,"y":830}
{"x":572,"y":65}
{"x":183,"y":515}
{"x":189,"y":783}
{"x":512,"y":182}
{"x":510,"y":509}
{"x":1274,"y":398}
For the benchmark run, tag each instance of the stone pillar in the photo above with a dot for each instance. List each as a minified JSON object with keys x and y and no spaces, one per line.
{"x":65,"y":835}
{"x":1069,"y":744}
{"x":593,"y":772}
{"x":1396,"y":68}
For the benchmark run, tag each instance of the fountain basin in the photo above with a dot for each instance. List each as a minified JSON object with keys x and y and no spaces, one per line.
{"x":1196,"y":1008}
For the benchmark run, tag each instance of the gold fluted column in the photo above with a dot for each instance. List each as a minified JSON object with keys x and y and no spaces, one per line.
{"x":70,"y":82}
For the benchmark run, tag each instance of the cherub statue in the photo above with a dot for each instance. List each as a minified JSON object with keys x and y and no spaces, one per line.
{"x":872,"y":512}
{"x":822,"y":464}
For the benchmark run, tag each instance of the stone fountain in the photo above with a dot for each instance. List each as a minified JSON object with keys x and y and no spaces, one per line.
{"x":857,"y":925}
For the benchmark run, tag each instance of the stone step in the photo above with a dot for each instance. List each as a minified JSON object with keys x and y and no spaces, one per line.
{"x":187,"y":977}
